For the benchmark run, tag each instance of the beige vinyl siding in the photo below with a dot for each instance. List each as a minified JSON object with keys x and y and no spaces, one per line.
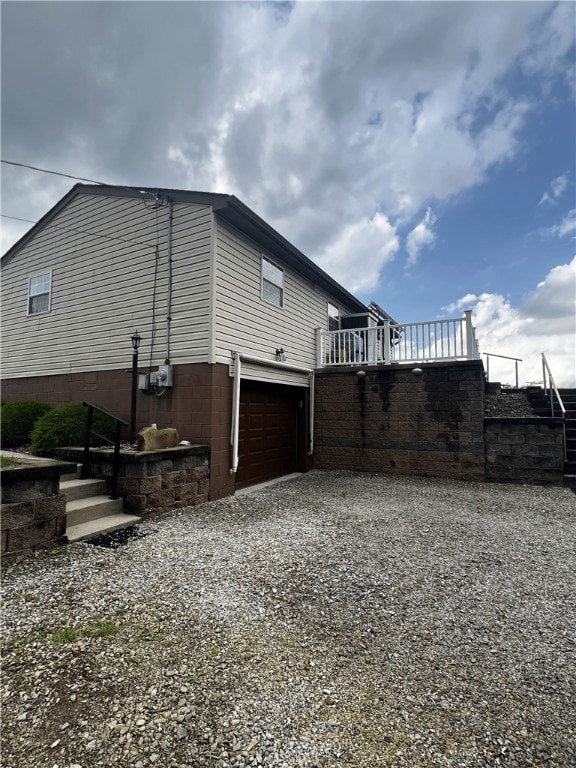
{"x":191,"y":270}
{"x":246,"y":323}
{"x":101,"y":252}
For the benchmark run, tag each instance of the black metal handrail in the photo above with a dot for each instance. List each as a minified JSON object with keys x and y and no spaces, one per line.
{"x":119,"y":423}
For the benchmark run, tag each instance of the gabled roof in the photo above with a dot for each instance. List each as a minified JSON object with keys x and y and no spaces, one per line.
{"x":227,"y":207}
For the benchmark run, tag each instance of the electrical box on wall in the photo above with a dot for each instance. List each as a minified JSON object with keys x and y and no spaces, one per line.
{"x":162,"y":377}
{"x":144,"y":382}
{"x":165,"y":375}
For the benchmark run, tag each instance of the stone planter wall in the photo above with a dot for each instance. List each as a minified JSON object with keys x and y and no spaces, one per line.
{"x":153,"y":481}
{"x":33,"y":509}
{"x":524,"y":450}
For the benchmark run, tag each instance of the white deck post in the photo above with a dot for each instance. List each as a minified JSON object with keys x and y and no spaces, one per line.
{"x":387,"y":346}
{"x":470,"y":345}
{"x":318,"y":347}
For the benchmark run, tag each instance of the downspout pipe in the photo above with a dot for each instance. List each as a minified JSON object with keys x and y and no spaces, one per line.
{"x":235,"y":411}
{"x":311,"y":415}
{"x":239,"y":358}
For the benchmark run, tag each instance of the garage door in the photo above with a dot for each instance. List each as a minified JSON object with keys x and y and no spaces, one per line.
{"x":268,"y":432}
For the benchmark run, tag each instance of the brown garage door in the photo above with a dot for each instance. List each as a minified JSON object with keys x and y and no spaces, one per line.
{"x":268,"y":432}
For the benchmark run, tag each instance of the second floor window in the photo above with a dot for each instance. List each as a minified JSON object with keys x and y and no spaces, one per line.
{"x":272,"y":283}
{"x":39,"y":290}
{"x":333,"y":318}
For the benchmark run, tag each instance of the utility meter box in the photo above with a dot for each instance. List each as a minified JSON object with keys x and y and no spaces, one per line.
{"x":165,"y":377}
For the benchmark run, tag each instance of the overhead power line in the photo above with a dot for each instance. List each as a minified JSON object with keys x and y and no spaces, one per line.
{"x":17,"y":218}
{"x":86,"y":232}
{"x":54,"y":173}
{"x":141,"y":192}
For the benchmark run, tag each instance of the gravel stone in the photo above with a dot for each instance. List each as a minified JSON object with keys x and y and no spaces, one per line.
{"x":505,"y":404}
{"x":338,"y":619}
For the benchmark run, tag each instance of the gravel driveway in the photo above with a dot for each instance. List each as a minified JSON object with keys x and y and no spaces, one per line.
{"x":338,"y":619}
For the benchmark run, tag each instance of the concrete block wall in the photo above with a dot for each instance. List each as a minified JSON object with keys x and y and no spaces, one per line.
{"x":199,"y":406}
{"x":391,"y":420}
{"x":33,"y":511}
{"x":525,"y":450}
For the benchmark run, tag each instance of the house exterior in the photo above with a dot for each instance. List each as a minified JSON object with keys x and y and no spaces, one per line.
{"x":215,"y":293}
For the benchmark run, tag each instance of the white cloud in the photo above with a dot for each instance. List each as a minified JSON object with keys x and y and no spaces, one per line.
{"x":316,"y":115}
{"x":356,"y":257}
{"x":544,"y":322}
{"x":422,"y":236}
{"x":566,"y":227}
{"x":557,"y":188}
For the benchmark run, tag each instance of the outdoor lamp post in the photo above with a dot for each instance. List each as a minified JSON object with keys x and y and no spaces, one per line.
{"x":136,"y":339}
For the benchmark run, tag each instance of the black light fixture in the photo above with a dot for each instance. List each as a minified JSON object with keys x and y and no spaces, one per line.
{"x":136,"y":339}
{"x":281,"y":355}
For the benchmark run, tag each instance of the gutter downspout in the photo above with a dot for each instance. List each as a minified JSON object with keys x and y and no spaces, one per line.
{"x":235,"y":411}
{"x":311,"y":416}
{"x":238,"y":358}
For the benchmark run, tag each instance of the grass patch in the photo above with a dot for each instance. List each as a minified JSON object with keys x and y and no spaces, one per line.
{"x":6,"y":462}
{"x":103,"y":628}
{"x":66,"y":635}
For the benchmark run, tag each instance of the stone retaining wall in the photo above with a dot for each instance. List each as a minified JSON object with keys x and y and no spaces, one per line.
{"x":33,"y":509}
{"x":390,"y":419}
{"x":525,"y":450}
{"x":153,"y":481}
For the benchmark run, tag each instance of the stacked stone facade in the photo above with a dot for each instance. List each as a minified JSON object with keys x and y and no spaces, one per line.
{"x":153,"y":481}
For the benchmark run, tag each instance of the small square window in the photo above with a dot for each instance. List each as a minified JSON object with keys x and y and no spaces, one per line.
{"x":333,"y":317}
{"x":272,"y":283}
{"x":39,"y":293}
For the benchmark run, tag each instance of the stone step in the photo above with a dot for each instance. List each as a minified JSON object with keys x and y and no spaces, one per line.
{"x":100,"y":525}
{"x":82,"y":489}
{"x":82,"y":510}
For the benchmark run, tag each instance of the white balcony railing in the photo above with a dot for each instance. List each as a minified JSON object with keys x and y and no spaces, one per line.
{"x":391,"y":343}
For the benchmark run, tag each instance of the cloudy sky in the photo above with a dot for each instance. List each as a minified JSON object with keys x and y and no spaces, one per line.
{"x":422,"y":153}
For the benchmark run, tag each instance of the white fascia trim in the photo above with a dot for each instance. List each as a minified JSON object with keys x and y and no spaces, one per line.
{"x":272,"y":363}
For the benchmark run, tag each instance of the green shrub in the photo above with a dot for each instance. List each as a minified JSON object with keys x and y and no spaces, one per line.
{"x":18,"y":419}
{"x":66,"y":425}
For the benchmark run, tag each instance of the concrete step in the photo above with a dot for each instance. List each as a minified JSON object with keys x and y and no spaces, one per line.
{"x":82,"y":510}
{"x":106,"y":524}
{"x":72,"y":475}
{"x":82,"y":489}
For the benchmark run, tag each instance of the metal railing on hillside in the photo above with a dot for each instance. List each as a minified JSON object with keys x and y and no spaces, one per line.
{"x":118,"y":424}
{"x":550,"y":387}
{"x":503,"y":357}
{"x":435,"y":340}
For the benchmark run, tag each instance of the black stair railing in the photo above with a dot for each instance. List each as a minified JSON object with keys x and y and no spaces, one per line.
{"x":118,"y":424}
